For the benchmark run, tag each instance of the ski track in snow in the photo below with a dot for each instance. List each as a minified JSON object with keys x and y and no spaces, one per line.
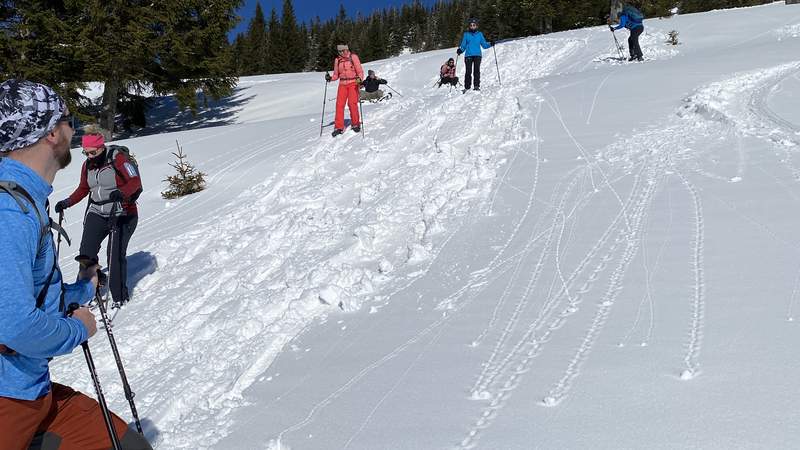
{"x":530,"y":345}
{"x":650,"y":273}
{"x":698,"y":299}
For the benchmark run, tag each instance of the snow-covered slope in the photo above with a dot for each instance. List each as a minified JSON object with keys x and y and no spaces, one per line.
{"x":590,"y":255}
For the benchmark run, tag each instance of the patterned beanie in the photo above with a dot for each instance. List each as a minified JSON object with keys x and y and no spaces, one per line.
{"x":28,"y":111}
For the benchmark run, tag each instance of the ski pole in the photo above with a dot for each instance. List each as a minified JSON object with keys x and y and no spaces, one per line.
{"x":129,"y":394}
{"x":497,"y":66}
{"x":101,"y":399}
{"x":324,"y":98}
{"x":456,"y":70}
{"x":58,"y":243}
{"x":361,"y":112}
{"x":387,"y":85}
{"x":616,"y":43}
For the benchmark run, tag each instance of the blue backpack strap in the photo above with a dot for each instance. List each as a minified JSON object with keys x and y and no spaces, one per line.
{"x":20,"y":195}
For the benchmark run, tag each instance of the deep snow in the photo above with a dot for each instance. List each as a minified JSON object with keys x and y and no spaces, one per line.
{"x":592,"y":255}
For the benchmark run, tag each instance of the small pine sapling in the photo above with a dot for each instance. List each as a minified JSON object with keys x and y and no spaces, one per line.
{"x":186,"y":181}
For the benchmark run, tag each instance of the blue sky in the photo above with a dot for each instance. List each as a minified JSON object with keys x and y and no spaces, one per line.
{"x":305,"y":10}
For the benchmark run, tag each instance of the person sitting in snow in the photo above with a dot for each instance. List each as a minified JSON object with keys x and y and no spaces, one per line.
{"x":371,"y":87}
{"x":347,"y":69}
{"x":631,"y":18}
{"x":447,"y":74}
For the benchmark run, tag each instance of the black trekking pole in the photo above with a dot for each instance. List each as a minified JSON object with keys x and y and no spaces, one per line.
{"x":387,"y":85}
{"x":616,"y":43}
{"x":129,"y":394}
{"x":455,"y":69}
{"x":101,"y":399}
{"x":324,"y":101}
{"x":361,"y":112}
{"x":58,"y":243}
{"x":497,"y":66}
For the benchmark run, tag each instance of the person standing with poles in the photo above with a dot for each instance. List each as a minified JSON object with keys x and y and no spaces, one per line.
{"x":471,"y":44}
{"x":35,"y":132}
{"x":109,"y":177}
{"x":347,"y":69}
{"x":632,"y":19}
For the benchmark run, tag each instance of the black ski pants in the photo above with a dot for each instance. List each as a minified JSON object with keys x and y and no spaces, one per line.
{"x":473,"y":64}
{"x":447,"y":80}
{"x":95,"y":229}
{"x":633,"y":43}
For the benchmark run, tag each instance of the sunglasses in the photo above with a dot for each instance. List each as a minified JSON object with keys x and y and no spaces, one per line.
{"x":69,"y":119}
{"x":94,"y":152}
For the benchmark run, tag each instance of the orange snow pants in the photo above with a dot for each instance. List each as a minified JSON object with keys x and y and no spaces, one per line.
{"x":347,"y":93}
{"x":64,"y":419}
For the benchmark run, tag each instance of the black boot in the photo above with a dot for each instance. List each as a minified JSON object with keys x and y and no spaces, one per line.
{"x":337,"y":132}
{"x":357,"y":128}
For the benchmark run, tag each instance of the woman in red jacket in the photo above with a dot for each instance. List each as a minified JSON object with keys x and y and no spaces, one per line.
{"x":112,"y":182}
{"x":347,"y":69}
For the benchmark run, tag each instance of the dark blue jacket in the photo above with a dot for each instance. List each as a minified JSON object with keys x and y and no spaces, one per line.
{"x":472,"y":42}
{"x":627,"y":22}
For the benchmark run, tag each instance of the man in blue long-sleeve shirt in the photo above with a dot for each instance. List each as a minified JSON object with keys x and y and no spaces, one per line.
{"x":636,"y":28}
{"x":35,"y":133}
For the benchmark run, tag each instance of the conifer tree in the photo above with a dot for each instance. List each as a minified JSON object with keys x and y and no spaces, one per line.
{"x":291,"y":40}
{"x":253,"y":56}
{"x":277,"y":58}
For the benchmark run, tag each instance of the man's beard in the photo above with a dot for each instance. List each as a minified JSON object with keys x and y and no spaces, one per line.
{"x":63,"y":154}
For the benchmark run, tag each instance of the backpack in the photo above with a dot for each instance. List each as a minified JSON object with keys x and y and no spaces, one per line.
{"x":634,"y":14}
{"x":111,"y":153}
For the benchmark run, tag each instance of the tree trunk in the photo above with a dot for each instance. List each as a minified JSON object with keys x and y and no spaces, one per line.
{"x":109,"y":107}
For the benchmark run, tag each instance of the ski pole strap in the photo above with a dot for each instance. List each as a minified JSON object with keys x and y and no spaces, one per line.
{"x":60,"y":231}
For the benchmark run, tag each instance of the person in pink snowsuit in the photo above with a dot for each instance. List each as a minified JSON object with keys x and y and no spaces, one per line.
{"x":347,"y":69}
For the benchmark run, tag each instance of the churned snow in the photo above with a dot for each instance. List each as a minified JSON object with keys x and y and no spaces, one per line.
{"x":594,"y":254}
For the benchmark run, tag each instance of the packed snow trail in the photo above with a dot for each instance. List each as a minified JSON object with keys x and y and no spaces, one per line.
{"x":462,"y":277}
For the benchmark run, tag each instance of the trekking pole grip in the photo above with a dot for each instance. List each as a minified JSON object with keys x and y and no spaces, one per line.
{"x":72,"y":308}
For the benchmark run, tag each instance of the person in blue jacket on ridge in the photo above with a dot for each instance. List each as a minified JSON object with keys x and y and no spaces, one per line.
{"x":36,"y":128}
{"x":636,"y":28}
{"x":471,"y":45}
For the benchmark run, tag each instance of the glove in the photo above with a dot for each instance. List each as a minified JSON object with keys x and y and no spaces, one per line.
{"x":492,"y":42}
{"x":611,"y":27}
{"x":459,"y":51}
{"x":328,"y":77}
{"x":116,"y":195}
{"x":358,"y":80}
{"x":61,"y":206}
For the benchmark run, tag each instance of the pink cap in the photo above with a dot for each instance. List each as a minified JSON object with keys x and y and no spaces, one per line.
{"x":93,"y":141}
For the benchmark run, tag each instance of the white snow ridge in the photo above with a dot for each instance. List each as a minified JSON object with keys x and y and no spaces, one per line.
{"x":592,"y":254}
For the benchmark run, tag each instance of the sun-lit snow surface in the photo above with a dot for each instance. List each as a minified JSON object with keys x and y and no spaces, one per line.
{"x":592,"y":255}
